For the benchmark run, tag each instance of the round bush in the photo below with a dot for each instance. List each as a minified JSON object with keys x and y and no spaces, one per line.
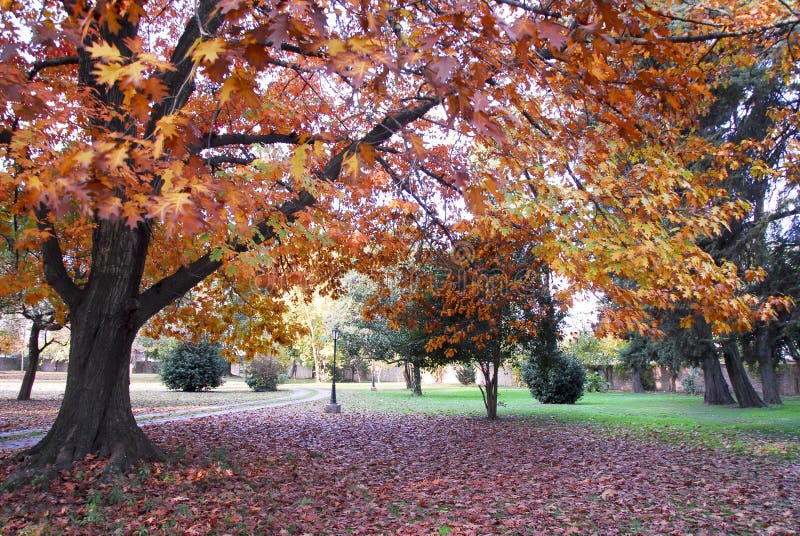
{"x":263,"y":374}
{"x":556,"y":380}
{"x":193,"y":367}
{"x":465,"y":374}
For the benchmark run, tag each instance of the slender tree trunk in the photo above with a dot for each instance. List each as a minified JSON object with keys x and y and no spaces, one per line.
{"x":407,"y":375}
{"x":665,"y":379}
{"x":313,"y":338}
{"x":95,"y":415}
{"x":765,"y":355}
{"x":490,"y":369}
{"x":716,"y":388}
{"x":745,"y":394}
{"x":417,"y":379}
{"x":636,"y":379}
{"x":33,"y":362}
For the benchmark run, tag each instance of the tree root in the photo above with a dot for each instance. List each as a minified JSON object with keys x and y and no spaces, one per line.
{"x":45,"y":460}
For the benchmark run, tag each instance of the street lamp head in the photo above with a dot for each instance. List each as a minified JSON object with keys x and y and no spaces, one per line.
{"x":335,"y":333}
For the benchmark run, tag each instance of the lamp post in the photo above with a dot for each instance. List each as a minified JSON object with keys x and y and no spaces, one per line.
{"x":333,"y":406}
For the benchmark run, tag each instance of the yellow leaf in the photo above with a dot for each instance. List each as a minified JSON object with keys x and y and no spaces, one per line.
{"x":174,"y":206}
{"x":108,"y":74}
{"x":167,"y":126}
{"x":335,"y":46}
{"x":350,"y":165}
{"x":105,"y":51}
{"x":208,"y":51}
{"x":363,"y":45}
{"x":116,"y":158}
{"x":297,"y":164}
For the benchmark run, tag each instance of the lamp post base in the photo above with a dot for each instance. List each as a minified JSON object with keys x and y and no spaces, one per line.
{"x":333,"y":408}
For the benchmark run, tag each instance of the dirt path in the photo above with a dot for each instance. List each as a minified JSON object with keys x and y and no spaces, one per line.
{"x":20,"y":439}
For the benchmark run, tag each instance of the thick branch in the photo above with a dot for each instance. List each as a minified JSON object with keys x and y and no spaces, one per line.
{"x":380,"y":133}
{"x":56,"y":273}
{"x":222,"y":140}
{"x":172,"y":287}
{"x":51,"y":62}
{"x":203,"y":24}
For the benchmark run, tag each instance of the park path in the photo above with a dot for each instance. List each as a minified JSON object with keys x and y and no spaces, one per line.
{"x":20,"y":439}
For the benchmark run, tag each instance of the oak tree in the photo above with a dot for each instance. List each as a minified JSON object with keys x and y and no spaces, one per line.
{"x":161,"y":148}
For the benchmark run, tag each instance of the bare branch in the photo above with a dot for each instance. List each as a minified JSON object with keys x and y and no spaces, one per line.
{"x":531,"y":9}
{"x":222,"y":140}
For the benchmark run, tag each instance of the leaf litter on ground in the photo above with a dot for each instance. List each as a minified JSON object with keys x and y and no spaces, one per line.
{"x":295,"y":470}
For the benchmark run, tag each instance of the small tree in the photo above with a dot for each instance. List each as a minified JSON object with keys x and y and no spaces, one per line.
{"x":263,"y":374}
{"x":466,"y":373}
{"x":193,"y":367}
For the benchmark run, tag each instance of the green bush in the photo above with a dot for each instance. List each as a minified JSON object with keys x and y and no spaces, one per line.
{"x":465,"y":374}
{"x":690,"y":383}
{"x":193,"y":367}
{"x":263,"y":374}
{"x":557,"y":378}
{"x":595,"y":383}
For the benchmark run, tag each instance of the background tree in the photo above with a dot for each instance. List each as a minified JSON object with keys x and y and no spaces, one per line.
{"x":597,"y":354}
{"x":24,"y":294}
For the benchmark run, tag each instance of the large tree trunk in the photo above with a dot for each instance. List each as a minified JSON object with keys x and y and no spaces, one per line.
{"x":33,"y":362}
{"x":673,"y":380}
{"x":745,"y":394}
{"x":716,"y":392}
{"x":417,"y":379}
{"x":636,"y":379}
{"x":765,"y":355}
{"x":95,"y":415}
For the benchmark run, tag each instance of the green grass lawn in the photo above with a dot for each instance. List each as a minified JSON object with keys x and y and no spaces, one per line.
{"x":675,"y":418}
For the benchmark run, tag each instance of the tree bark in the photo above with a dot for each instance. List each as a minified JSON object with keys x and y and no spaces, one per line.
{"x":313,"y":338}
{"x":95,"y":415}
{"x":417,"y":379}
{"x":33,"y":362}
{"x":666,"y":383}
{"x":490,"y":369}
{"x":716,"y":391}
{"x":407,"y":375}
{"x":636,"y":379}
{"x":765,"y":355}
{"x":745,"y":394}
